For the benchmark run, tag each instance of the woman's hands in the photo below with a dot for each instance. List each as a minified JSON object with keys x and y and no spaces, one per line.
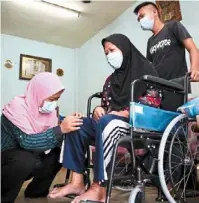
{"x":98,"y":113}
{"x":72,"y":123}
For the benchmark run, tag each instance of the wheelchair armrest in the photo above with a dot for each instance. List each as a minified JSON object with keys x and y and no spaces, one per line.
{"x":96,"y":95}
{"x":163,"y":83}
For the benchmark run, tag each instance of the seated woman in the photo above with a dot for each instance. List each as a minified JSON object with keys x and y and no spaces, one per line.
{"x":29,"y":127}
{"x":109,"y":122}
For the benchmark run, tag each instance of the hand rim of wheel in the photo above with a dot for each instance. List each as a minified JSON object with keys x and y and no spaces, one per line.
{"x":161,"y":156}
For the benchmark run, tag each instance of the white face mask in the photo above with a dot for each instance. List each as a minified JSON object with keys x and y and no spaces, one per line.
{"x":146,"y":23}
{"x":115,"y":59}
{"x":48,"y":107}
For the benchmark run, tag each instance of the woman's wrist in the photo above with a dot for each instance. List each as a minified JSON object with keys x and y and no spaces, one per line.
{"x":58,"y":130}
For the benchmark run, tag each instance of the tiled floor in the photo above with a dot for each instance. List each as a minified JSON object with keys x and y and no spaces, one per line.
{"x":117,"y":196}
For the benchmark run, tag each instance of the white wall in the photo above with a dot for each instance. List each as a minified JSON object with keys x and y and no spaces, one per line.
{"x":12,"y":47}
{"x":93,"y":68}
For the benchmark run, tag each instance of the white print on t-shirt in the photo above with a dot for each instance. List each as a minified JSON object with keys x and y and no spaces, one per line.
{"x":160,"y":45}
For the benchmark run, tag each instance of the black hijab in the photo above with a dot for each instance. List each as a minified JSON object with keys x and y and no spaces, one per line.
{"x":134,"y":66}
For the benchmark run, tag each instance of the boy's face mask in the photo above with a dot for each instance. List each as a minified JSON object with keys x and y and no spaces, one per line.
{"x":147,"y":23}
{"x":48,"y":107}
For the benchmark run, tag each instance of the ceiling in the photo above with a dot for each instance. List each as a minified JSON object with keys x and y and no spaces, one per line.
{"x":34,"y":20}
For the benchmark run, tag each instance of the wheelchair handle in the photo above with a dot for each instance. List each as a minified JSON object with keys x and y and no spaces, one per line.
{"x":189,"y":76}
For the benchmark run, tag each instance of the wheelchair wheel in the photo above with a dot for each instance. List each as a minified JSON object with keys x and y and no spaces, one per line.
{"x":123,"y":167}
{"x":177,"y":166}
{"x":137,"y":195}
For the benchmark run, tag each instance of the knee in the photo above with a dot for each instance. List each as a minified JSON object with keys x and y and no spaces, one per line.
{"x":24,"y":161}
{"x":102,"y":124}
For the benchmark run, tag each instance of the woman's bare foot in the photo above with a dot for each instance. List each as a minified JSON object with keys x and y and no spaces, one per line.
{"x":76,"y":187}
{"x":95,"y":193}
{"x":71,"y":188}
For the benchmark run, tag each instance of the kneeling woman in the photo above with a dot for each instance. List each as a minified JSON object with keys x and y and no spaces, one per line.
{"x":109,"y":122}
{"x":29,"y":127}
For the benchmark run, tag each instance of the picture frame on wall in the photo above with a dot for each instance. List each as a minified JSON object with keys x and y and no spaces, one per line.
{"x":169,"y":10}
{"x":32,"y":65}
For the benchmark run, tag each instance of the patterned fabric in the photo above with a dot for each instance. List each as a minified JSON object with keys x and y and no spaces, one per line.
{"x":152,"y":97}
{"x":106,"y":96}
{"x":12,"y":137}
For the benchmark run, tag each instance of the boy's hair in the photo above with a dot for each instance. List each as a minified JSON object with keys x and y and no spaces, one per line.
{"x":137,"y":8}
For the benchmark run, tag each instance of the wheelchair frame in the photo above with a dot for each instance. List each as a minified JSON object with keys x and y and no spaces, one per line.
{"x":137,"y":164}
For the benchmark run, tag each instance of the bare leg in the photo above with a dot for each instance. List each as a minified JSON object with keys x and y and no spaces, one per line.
{"x":76,"y":186}
{"x":95,"y":193}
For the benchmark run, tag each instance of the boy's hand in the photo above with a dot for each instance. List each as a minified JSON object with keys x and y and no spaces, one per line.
{"x":195,"y":75}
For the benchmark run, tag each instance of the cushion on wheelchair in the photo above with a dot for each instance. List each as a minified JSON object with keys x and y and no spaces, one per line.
{"x":150,"y":118}
{"x":162,"y":82}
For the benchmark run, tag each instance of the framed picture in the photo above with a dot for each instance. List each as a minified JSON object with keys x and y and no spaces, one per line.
{"x":169,"y":10}
{"x":32,"y":65}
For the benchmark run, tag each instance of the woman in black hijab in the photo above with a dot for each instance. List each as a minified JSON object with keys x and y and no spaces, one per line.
{"x":109,"y":122}
{"x":120,"y":50}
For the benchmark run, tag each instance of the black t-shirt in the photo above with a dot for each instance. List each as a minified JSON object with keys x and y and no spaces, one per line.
{"x":167,"y":52}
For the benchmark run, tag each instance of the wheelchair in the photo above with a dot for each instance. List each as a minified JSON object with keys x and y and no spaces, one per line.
{"x":174,"y":154}
{"x":166,"y":160}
